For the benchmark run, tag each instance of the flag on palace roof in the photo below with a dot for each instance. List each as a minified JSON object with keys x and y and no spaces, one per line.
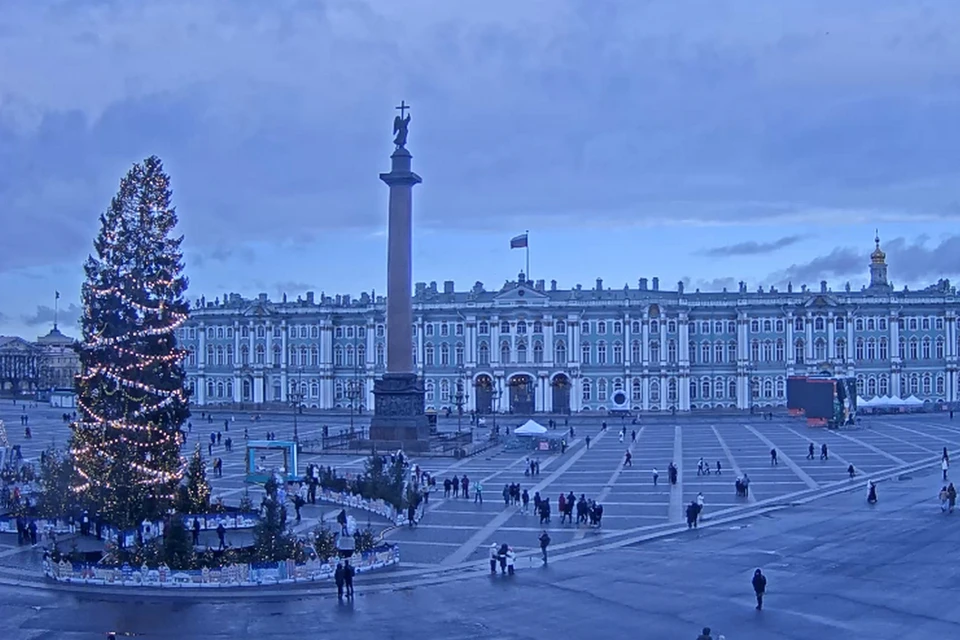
{"x":518,"y":242}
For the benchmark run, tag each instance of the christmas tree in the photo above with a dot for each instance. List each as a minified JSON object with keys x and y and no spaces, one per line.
{"x":130,"y":393}
{"x":195,"y":496}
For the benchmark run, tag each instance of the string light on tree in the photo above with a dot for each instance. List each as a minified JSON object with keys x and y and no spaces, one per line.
{"x":130,"y":394}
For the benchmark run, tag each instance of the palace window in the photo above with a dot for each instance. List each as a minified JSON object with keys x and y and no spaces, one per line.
{"x":754,"y":326}
{"x":927,"y":383}
{"x":483,"y":354}
{"x":585,"y":353}
{"x":260,"y":354}
{"x":655,"y":351}
{"x":859,"y":324}
{"x":444,"y":329}
{"x":504,"y":353}
{"x":925,"y":324}
{"x":617,"y":353}
{"x":560,"y":352}
{"x":754,"y":350}
{"x":839,"y":323}
{"x":504,"y":327}
{"x":820,"y":349}
{"x":859,"y":350}
{"x":338,"y":332}
{"x":601,"y":327}
{"x":818,"y":324}
{"x":521,"y":327}
{"x":779,"y":353}
{"x":705,"y":327}
{"x":693,"y":389}
{"x":585,"y":328}
{"x":902,"y":348}
{"x":781,"y":388}
{"x":705,"y":388}
{"x":672,"y":327}
{"x":351,"y":357}
{"x":654,"y":392}
{"x":380,"y":355}
{"x":601,"y":352}
{"x":871,"y":324}
{"x":538,"y":352}
{"x":459,"y":329}
{"x":483,"y":328}
{"x":636,"y":390}
{"x":883,"y":386}
{"x":882,"y":324}
{"x":718,"y":327}
{"x":586,"y":390}
{"x":521,"y":353}
{"x":939,"y":324}
{"x":718,"y":352}
{"x":871,"y":349}
{"x":277,"y":353}
{"x":767,"y":326}
{"x":672,"y":390}
{"x":798,"y":324}
{"x":732,"y":351}
{"x":941,"y":386}
{"x":428,"y":354}
{"x":779,"y":326}
{"x":654,"y":326}
{"x":561,"y":327}
{"x":692,"y":352}
{"x":914,"y":350}
{"x":705,"y":353}
{"x":732,"y":388}
{"x":431,"y":391}
{"x":940,"y":349}
{"x":458,"y":354}
{"x":602,"y":390}
{"x":925,"y":348}
{"x":428,"y":329}
{"x":798,"y":354}
{"x":537,"y":327}
{"x":767,"y":351}
{"x":635,"y":354}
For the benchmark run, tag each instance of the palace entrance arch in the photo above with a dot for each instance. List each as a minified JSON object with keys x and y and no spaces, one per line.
{"x":522,"y":394}
{"x":561,"y":394}
{"x":483,"y":387}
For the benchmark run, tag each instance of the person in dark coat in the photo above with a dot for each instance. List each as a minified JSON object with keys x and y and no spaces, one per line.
{"x":221,"y":533}
{"x":338,"y":577}
{"x":705,"y":634}
{"x":759,"y":587}
{"x":196,"y":532}
{"x":544,"y":543}
{"x":348,"y":573}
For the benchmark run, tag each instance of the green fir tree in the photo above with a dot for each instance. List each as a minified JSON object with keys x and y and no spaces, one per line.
{"x":130,"y":392}
{"x":195,"y":494}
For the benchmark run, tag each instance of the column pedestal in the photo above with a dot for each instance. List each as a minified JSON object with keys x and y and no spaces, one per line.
{"x":399,"y":420}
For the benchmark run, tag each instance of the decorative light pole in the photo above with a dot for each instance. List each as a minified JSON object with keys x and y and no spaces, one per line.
{"x":460,"y":397}
{"x":297,"y":402}
{"x":354,"y":391}
{"x":495,"y":397}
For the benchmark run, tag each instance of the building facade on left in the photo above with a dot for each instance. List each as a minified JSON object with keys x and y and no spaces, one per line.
{"x":36,"y":369}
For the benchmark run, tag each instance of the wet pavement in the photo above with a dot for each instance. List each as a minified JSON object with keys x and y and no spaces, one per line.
{"x":837,"y":568}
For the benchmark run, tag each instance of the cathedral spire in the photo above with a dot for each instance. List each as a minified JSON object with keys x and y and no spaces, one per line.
{"x":878,"y":264}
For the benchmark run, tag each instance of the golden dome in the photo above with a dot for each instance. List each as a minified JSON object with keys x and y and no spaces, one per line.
{"x":878,"y":256}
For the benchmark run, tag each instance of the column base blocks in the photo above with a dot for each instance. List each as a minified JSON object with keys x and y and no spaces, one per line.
{"x":399,"y":420}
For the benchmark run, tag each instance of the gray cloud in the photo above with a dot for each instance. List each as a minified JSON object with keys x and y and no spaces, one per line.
{"x":614,"y":113}
{"x":917,"y":262}
{"x":292,"y":289}
{"x":708,"y":285}
{"x":68,"y":316}
{"x":752,"y":248}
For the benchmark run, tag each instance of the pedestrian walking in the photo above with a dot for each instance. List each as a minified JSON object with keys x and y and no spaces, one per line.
{"x":338,"y":577}
{"x":478,"y":493}
{"x":196,"y":532}
{"x":944,"y":466}
{"x":221,"y":534}
{"x":944,"y":498}
{"x":628,"y":459}
{"x":773,"y":458}
{"x":810,"y":452}
{"x":719,"y":472}
{"x":494,"y":558}
{"x":544,"y":543}
{"x":655,"y":476}
{"x":951,"y":496}
{"x":759,"y":587}
{"x":853,"y":472}
{"x":348,"y":573}
{"x":823,"y":452}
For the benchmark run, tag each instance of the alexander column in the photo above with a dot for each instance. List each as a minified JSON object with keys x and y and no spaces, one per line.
{"x":399,"y":420}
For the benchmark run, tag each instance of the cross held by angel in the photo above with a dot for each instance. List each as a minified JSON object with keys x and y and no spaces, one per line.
{"x":401,"y":123}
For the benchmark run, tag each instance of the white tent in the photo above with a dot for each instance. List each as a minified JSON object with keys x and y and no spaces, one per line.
{"x":864,"y":403}
{"x":530,"y":428}
{"x":894,"y":401}
{"x":913,"y":401}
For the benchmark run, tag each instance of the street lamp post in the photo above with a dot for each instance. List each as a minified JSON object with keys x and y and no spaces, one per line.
{"x":297,"y":401}
{"x":495,"y":396}
{"x":353,"y":394}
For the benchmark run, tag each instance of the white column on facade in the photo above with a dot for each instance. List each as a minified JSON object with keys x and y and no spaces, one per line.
{"x":684,"y":355}
{"x":808,"y":338}
{"x":495,"y":341}
{"x":576,"y":397}
{"x":252,"y":345}
{"x":646,"y":392}
{"x":791,"y":360}
{"x":268,"y":346}
{"x":471,"y":345}
{"x":663,"y":340}
{"x":549,"y":332}
{"x":645,"y":345}
{"x":851,"y":338}
{"x":831,"y":346}
{"x":573,"y":354}
{"x":202,"y":346}
{"x":627,"y":338}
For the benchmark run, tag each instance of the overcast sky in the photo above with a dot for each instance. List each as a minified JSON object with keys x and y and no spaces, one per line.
{"x":711,"y":141}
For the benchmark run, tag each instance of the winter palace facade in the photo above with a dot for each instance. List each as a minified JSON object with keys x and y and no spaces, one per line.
{"x":530,"y":347}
